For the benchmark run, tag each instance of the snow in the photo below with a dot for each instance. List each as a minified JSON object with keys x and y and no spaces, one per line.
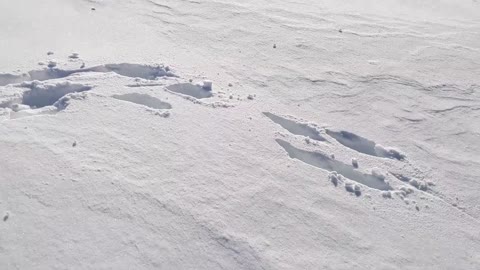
{"x":354,"y":162}
{"x":207,"y":85}
{"x":113,"y":155}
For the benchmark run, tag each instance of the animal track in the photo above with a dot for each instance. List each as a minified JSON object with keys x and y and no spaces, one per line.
{"x":364,"y":145}
{"x":324,"y":162}
{"x":134,"y":70}
{"x":145,"y":100}
{"x":41,"y":98}
{"x":189,"y":90}
{"x":42,"y":94}
{"x":125,"y":69}
{"x":295,"y":128}
{"x":376,"y":180}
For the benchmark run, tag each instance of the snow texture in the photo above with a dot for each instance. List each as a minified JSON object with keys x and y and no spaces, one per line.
{"x":239,"y":134}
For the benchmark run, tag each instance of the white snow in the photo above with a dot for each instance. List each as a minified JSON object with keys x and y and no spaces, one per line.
{"x":112,"y":157}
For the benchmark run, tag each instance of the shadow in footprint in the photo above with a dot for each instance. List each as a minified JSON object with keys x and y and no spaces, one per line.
{"x":295,"y":127}
{"x":322,"y":161}
{"x":41,"y":95}
{"x":144,"y":99}
{"x":43,"y":99}
{"x":190,"y":90}
{"x":133,"y":70}
{"x":364,"y":145}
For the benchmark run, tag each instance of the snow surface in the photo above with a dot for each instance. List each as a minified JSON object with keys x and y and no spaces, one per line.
{"x":336,"y":135}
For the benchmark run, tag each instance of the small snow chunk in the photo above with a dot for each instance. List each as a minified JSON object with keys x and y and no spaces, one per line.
{"x":357,"y":190}
{"x":230,"y":85}
{"x":50,"y":53}
{"x":335,"y":178}
{"x":52,"y":63}
{"x":387,"y":194}
{"x":250,"y":97}
{"x":353,"y":188}
{"x":414,"y":183}
{"x":74,"y":144}
{"x":378,"y":174}
{"x":74,"y":55}
{"x":389,"y":152}
{"x":400,"y":193}
{"x":41,"y":63}
{"x":407,"y":190}
{"x":350,"y":187}
{"x":207,"y":85}
{"x":92,"y":9}
{"x":354,"y":162}
{"x":19,"y":107}
{"x":332,"y":156}
{"x":164,"y":114}
{"x":7,"y":215}
{"x":422,"y":186}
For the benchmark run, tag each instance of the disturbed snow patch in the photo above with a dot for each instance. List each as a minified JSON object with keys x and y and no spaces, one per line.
{"x":324,"y":162}
{"x":349,"y":140}
{"x":41,"y":98}
{"x":124,"y":69}
{"x":364,"y":145}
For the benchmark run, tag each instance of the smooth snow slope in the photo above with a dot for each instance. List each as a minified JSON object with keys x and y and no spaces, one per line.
{"x":115,"y":159}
